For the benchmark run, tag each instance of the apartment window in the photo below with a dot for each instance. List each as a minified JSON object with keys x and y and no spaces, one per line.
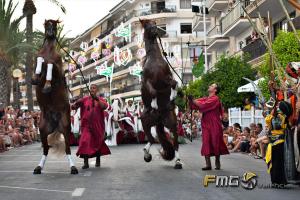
{"x":185,"y":4}
{"x":186,"y":28}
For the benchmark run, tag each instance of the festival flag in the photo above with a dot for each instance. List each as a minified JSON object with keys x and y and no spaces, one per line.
{"x":105,"y":70}
{"x":198,"y":67}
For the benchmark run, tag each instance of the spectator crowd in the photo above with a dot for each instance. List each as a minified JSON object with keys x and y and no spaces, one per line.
{"x":17,"y":128}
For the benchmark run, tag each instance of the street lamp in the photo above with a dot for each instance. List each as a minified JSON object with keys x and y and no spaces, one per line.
{"x":17,"y":73}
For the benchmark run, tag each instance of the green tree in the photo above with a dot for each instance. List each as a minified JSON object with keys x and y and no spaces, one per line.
{"x":10,"y":42}
{"x":286,"y":49}
{"x":228,"y":74}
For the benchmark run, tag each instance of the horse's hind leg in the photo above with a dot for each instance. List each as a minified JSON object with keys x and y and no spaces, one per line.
{"x":65,"y":128}
{"x":147,"y":123}
{"x":172,"y":125}
{"x":38,"y":169}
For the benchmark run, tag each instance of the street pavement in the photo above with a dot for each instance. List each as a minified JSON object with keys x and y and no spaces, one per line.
{"x":125,"y":175}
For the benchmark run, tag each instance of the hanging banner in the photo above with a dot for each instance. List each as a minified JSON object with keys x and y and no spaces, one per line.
{"x":105,"y":70}
{"x":71,"y":67}
{"x":82,"y":59}
{"x":84,"y":46}
{"x":136,"y":70}
{"x":95,"y":55}
{"x":122,"y":57}
{"x":141,"y":53}
{"x":124,"y":32}
{"x":106,"y":52}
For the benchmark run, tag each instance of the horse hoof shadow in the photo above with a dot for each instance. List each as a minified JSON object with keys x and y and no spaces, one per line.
{"x":37,"y":170}
{"x":147,"y":158}
{"x":74,"y":170}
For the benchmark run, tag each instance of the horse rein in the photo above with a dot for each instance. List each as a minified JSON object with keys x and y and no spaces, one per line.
{"x":77,"y":67}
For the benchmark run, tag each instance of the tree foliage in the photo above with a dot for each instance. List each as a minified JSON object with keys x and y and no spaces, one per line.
{"x":287,"y":49}
{"x":228,"y":73}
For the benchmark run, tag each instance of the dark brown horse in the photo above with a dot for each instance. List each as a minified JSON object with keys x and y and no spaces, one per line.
{"x":158,"y":93}
{"x":55,"y":123}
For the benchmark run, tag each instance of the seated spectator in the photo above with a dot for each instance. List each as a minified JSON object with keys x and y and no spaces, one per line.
{"x":242,"y":142}
{"x":225,"y":121}
{"x":247,"y":105}
{"x":262,"y":140}
{"x":253,"y":143}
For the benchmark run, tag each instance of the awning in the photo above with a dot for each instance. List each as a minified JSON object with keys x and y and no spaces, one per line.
{"x":248,"y":87}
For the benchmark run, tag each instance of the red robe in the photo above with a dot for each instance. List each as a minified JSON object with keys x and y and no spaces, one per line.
{"x":212,"y":133}
{"x":91,"y":143}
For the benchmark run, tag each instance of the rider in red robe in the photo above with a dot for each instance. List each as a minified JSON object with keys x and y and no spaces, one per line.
{"x":212,"y":134}
{"x":92,"y":139}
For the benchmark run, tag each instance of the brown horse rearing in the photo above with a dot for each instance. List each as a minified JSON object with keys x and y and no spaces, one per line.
{"x":54,"y":104}
{"x":158,"y":94}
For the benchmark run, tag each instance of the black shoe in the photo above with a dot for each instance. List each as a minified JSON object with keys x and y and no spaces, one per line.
{"x":86,"y":163}
{"x":206,"y":168}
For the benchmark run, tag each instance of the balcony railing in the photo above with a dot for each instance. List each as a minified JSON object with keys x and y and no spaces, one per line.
{"x":235,"y":14}
{"x":138,"y":13}
{"x":255,"y":49}
{"x":127,"y":89}
{"x":149,"y":11}
{"x":216,"y":30}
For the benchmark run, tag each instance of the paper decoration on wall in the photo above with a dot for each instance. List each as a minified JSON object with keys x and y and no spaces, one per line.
{"x":106,"y":52}
{"x":141,"y":53}
{"x":108,"y":42}
{"x":95,"y":55}
{"x":122,"y":57}
{"x":136,"y":70}
{"x":82,"y":59}
{"x":124,"y":32}
{"x":84,"y":46}
{"x":105,"y":70}
{"x":71,"y":67}
{"x":96,"y":42}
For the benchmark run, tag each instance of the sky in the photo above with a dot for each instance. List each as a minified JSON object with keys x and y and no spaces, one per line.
{"x":81,"y":14}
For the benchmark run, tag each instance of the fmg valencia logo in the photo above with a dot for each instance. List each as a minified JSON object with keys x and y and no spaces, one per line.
{"x":248,"y":181}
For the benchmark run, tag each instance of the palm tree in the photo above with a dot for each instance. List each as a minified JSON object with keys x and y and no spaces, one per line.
{"x":29,"y":10}
{"x":10,"y":41}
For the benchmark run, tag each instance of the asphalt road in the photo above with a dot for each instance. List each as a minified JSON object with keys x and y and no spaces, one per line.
{"x":125,"y":175}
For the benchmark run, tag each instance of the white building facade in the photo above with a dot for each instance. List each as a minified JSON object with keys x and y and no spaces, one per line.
{"x":120,"y":31}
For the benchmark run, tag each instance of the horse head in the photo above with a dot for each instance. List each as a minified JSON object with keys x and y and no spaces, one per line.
{"x":51,"y":28}
{"x":151,"y":30}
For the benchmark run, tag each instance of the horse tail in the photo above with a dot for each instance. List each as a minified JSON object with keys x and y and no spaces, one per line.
{"x":56,"y":141}
{"x":168,"y":152}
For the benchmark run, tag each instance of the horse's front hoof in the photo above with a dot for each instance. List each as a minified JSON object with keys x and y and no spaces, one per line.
{"x":147,"y":157}
{"x":46,"y":90}
{"x":74,"y":170}
{"x":37,"y":170}
{"x":178,"y":165}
